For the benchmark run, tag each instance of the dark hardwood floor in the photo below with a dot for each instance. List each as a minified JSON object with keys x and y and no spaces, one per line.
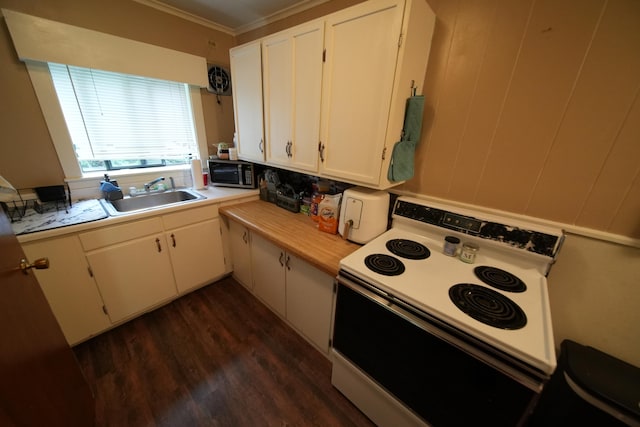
{"x":215,"y":357}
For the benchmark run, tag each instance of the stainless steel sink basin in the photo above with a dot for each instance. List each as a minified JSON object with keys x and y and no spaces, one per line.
{"x":149,"y":201}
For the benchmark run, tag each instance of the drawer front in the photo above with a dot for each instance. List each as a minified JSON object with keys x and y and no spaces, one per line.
{"x":120,"y":233}
{"x":190,"y":216}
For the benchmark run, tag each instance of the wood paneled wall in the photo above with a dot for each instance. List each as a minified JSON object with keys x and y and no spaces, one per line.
{"x":27,"y":155}
{"x":532,"y":107}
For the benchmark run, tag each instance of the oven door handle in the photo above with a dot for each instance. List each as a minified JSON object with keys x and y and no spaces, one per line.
{"x":392,"y":304}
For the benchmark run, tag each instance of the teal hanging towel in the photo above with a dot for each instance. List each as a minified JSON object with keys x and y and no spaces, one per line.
{"x":402,"y":158}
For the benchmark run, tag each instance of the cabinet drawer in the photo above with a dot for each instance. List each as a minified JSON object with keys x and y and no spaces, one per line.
{"x":191,"y":216}
{"x":120,"y":233}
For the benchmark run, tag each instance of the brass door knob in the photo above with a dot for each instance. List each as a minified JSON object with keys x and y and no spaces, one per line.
{"x":39,"y":264}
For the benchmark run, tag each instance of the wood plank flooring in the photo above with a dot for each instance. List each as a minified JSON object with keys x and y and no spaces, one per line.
{"x":215,"y":357}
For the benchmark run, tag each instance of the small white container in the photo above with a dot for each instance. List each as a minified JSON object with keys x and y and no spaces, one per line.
{"x":468,"y":253}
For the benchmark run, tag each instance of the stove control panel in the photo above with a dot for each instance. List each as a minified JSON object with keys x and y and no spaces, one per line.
{"x":437,"y":217}
{"x":461,"y":222}
{"x":418,"y":212}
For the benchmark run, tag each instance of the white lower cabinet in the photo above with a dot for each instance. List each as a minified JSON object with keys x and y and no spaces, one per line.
{"x":69,"y":287}
{"x":195,"y":246}
{"x":105,"y":276}
{"x":133,"y":271}
{"x":294,"y":289}
{"x":268,"y":265}
{"x":241,"y":254}
{"x":309,"y":301}
{"x":139,"y":265}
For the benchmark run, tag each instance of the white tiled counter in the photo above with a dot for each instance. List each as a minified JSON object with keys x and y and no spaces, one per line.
{"x":89,"y":214}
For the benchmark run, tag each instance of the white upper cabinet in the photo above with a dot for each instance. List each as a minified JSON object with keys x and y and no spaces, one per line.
{"x":246,"y":78}
{"x":292,"y":74}
{"x":375,"y":52}
{"x":335,"y":89}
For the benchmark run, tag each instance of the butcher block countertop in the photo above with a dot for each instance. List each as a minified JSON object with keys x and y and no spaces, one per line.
{"x":294,"y":232}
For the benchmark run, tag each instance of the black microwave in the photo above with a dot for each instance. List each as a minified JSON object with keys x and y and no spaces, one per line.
{"x":232,"y":173}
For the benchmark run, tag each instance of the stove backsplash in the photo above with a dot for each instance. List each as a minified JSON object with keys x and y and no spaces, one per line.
{"x":529,"y":240}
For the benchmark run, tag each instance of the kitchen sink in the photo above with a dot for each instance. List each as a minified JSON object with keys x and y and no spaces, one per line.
{"x":143,"y":202}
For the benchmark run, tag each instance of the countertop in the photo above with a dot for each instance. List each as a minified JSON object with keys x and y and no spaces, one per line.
{"x":294,"y":232}
{"x":83,"y":215}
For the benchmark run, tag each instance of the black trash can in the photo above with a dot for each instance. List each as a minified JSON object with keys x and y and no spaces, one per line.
{"x":589,"y":387}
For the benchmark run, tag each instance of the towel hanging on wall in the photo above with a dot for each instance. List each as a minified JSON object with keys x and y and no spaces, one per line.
{"x":402,"y":159}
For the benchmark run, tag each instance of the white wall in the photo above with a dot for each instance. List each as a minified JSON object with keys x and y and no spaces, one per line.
{"x":594,"y":290}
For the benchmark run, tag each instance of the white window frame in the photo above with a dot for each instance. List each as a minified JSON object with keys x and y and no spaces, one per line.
{"x":48,"y":99}
{"x":38,"y":41}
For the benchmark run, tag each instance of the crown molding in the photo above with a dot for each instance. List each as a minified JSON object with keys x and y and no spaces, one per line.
{"x":186,"y":15}
{"x":284,"y":13}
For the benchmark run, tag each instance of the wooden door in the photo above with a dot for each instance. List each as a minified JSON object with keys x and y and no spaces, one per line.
{"x":40,"y":381}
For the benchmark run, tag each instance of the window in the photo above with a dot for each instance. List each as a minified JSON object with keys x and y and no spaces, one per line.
{"x":40,"y":42}
{"x":121,"y":121}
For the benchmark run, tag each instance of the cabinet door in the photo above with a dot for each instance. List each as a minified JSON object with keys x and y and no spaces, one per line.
{"x":133,"y":276}
{"x":246,"y":75}
{"x":307,"y":91}
{"x":309,"y":301}
{"x":292,"y":72}
{"x":361,"y":45}
{"x":268,"y":273}
{"x":277,"y":75}
{"x":241,"y":254}
{"x":196,"y":254}
{"x":69,"y":288}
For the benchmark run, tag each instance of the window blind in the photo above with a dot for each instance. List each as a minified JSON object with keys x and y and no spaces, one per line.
{"x":114,"y":116}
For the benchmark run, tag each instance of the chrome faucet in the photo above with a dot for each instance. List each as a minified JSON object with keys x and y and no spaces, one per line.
{"x":173,"y":183}
{"x":147,"y":186}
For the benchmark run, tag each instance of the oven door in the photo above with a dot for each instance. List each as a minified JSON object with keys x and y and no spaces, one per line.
{"x":425,"y":366}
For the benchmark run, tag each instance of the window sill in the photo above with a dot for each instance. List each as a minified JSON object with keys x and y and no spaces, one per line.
{"x":88,"y":186}
{"x":125,"y":173}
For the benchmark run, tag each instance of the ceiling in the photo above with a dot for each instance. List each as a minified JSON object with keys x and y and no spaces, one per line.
{"x":232,"y":16}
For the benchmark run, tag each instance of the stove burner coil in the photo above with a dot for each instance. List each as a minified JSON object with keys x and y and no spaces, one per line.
{"x":487,"y":306}
{"x":499,"y":279}
{"x":408,"y":249}
{"x":384,"y":264}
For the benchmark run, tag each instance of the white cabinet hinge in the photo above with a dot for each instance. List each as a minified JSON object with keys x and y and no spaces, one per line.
{"x":384,"y":153}
{"x":104,"y":310}
{"x":324,"y":55}
{"x":90,"y":271}
{"x":400,"y":40}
